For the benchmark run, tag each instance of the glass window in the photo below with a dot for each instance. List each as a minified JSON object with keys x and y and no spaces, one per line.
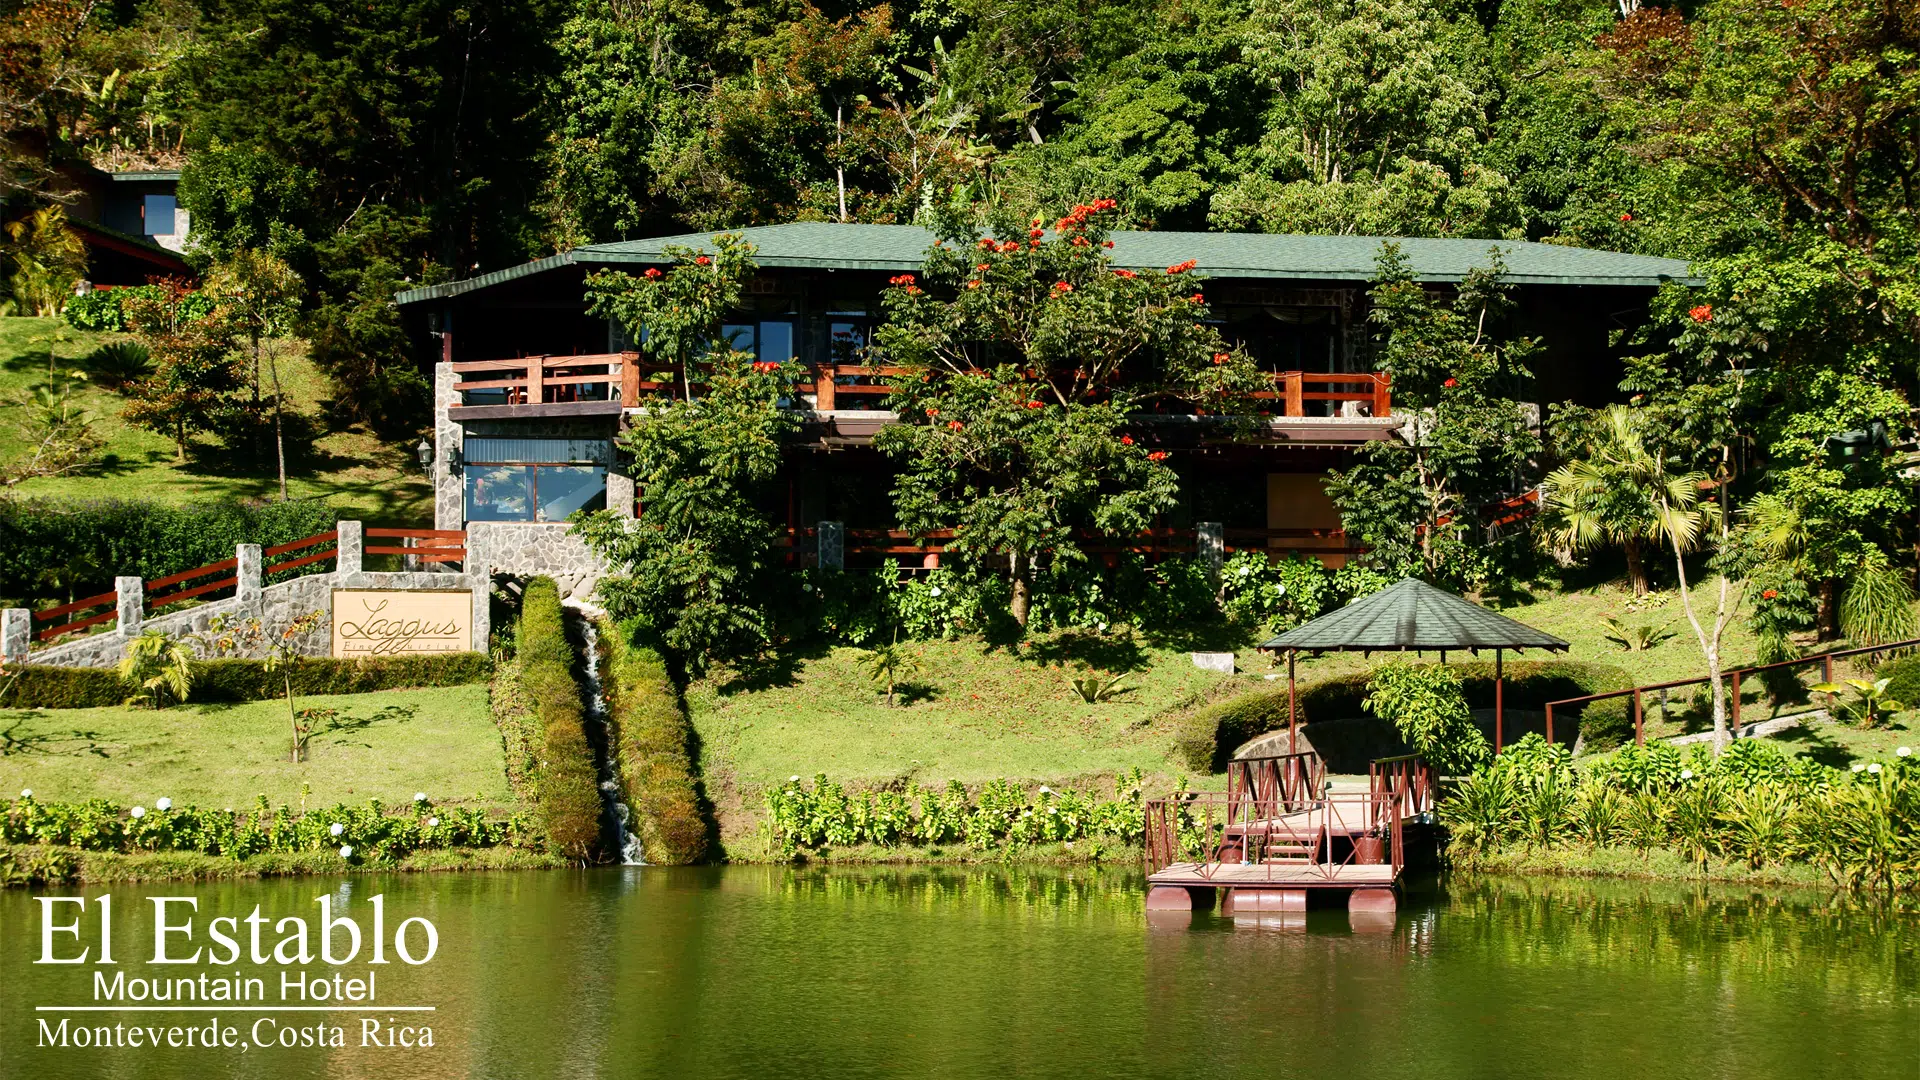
{"x":566,"y":488}
{"x":847,"y":343}
{"x":158,"y":211}
{"x":776,"y":341}
{"x":484,"y":449}
{"x":738,"y":337}
{"x":499,"y":493}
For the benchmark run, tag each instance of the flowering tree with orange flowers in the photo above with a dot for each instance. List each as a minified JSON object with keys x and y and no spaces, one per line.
{"x":1029,"y":358}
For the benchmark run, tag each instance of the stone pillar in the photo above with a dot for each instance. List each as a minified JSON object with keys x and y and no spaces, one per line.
{"x":449,"y":440}
{"x":16,"y":634}
{"x":352,"y":548}
{"x":620,"y":494}
{"x":831,"y":545}
{"x":1210,"y":544}
{"x":247,"y":581}
{"x":482,"y":578}
{"x":133,"y":604}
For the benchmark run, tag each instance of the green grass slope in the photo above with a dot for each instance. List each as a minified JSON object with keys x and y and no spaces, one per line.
{"x":388,"y":745}
{"x":328,"y":460}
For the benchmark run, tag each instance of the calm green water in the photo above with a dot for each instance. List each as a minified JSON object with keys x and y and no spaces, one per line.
{"x":782,"y":972}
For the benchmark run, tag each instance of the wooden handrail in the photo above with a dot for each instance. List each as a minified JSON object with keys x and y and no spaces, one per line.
{"x":317,"y":538}
{"x":188,"y":575}
{"x":111,"y":596}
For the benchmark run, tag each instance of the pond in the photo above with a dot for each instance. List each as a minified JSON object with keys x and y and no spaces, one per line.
{"x":758,"y":971}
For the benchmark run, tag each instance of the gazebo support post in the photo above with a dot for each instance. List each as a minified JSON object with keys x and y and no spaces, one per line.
{"x":1293,"y":706}
{"x":1499,"y":701}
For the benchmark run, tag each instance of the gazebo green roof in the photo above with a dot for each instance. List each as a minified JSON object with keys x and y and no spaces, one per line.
{"x":898,"y":248}
{"x":1412,"y":615}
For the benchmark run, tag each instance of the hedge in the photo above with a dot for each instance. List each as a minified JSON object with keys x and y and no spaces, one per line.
{"x":53,"y":549}
{"x":655,"y":753}
{"x":42,"y":687}
{"x":1208,"y":738}
{"x":566,"y":783}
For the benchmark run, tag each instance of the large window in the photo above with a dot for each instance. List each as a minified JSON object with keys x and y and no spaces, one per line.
{"x":539,"y":479}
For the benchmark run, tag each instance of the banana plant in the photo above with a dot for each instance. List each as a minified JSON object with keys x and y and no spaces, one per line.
{"x":1873,"y":703}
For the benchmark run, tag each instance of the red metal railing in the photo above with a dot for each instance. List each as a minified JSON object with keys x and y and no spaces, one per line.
{"x":628,"y":376}
{"x":1289,"y":781}
{"x":1733,"y":696}
{"x":109,"y":599}
{"x":1248,"y":842}
{"x":424,"y":545}
{"x":1407,"y":780}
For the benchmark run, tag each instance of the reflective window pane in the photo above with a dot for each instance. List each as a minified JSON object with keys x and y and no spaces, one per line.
{"x":776,"y":341}
{"x":848,"y":342}
{"x":738,"y":337}
{"x":499,"y":493}
{"x":567,"y":488}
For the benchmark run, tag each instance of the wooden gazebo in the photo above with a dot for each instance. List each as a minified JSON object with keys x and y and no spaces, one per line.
{"x":1410,"y":615}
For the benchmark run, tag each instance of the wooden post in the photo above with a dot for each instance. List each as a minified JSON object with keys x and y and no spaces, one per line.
{"x":1640,"y":719}
{"x":629,"y":379}
{"x":1382,"y":395}
{"x":536,"y":376}
{"x":1293,"y":706}
{"x":823,"y":388}
{"x":1549,"y":723}
{"x":1290,"y":384}
{"x":1734,"y":720}
{"x":1827,"y":662}
{"x":1499,"y":703}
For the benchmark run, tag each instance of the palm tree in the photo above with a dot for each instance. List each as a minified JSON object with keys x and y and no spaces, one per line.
{"x":1608,"y":497}
{"x":1624,"y":488}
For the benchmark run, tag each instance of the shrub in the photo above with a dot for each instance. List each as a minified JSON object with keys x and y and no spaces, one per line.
{"x":60,"y":549}
{"x":1903,"y":678}
{"x":655,"y":759}
{"x":1002,"y":815}
{"x":1207,"y":738}
{"x":1426,"y":703}
{"x":566,"y":781}
{"x":96,"y":309}
{"x":229,"y":681}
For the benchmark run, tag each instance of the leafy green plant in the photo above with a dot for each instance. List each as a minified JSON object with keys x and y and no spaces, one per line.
{"x":1644,"y":819}
{"x":1095,"y":686}
{"x":889,"y":665}
{"x":1428,"y":707}
{"x":1483,"y":811}
{"x":1599,"y":814}
{"x":158,"y":668}
{"x":1758,"y":819}
{"x":1873,"y":703}
{"x":1636,"y":638}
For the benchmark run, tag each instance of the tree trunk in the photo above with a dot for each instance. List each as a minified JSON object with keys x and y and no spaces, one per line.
{"x":1022,"y":594}
{"x":1721,"y":735}
{"x":1828,"y":619}
{"x":1637,"y":567}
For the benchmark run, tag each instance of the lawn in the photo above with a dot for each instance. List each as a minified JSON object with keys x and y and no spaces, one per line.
{"x":974,"y":712}
{"x":389,"y":745}
{"x":326,"y":459}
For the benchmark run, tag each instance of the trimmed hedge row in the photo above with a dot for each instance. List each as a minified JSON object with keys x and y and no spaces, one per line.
{"x":42,"y":687}
{"x":655,"y":753}
{"x":1208,"y":738}
{"x":566,"y":783}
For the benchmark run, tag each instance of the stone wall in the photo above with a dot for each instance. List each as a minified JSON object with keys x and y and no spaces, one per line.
{"x":276,"y":606}
{"x":523,"y":549}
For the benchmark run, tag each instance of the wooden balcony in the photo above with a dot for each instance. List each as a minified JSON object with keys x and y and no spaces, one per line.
{"x":605,"y":384}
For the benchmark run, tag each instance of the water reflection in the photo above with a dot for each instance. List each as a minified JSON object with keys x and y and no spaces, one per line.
{"x":979,"y":971}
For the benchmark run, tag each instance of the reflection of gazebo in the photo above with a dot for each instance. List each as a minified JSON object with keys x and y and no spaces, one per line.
{"x":1410,"y":615}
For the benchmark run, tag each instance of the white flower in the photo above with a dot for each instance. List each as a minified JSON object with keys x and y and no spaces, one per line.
{"x":1686,"y":774}
{"x":346,"y":851}
{"x":138,"y":811}
{"x":1857,"y":767}
{"x":1045,"y":790}
{"x":1905,"y":751}
{"x":935,"y":591}
{"x":1053,"y":809}
{"x":1245,"y":570}
{"x":433,"y":823}
{"x":27,"y":792}
{"x":336,"y":828}
{"x":419,"y":796}
{"x":1874,"y":768}
{"x":163,"y":803}
{"x":794,"y":779}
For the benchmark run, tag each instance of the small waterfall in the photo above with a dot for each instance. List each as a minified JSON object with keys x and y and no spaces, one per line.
{"x":618,"y":813}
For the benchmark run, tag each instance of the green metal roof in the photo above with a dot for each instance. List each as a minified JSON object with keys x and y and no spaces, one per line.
{"x":1412,"y":614}
{"x":896,"y":248}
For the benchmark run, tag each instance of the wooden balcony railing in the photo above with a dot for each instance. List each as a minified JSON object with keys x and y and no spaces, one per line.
{"x":629,"y":378}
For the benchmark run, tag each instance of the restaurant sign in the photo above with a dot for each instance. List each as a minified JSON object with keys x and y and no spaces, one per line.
{"x":401,"y":622}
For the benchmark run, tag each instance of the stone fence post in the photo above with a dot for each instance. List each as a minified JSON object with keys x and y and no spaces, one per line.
{"x":247,"y":578}
{"x":351,"y":547}
{"x":1210,"y":544}
{"x":133,"y":605}
{"x":16,"y":634}
{"x":831,"y":545}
